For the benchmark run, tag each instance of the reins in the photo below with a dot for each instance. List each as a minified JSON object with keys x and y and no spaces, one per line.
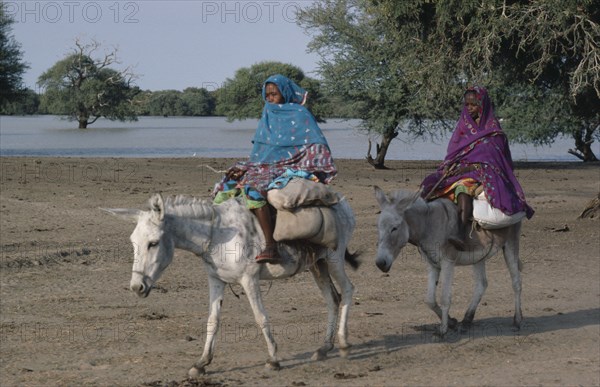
{"x":446,"y":174}
{"x":449,"y":172}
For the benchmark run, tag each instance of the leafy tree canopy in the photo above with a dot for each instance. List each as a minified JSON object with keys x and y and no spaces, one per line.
{"x":27,"y":103}
{"x":409,"y":61}
{"x":240,"y":97}
{"x":191,"y":102}
{"x":12,"y":66}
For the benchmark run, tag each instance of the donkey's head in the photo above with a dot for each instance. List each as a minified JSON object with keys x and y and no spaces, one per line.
{"x":392,"y":226}
{"x":153,"y":247}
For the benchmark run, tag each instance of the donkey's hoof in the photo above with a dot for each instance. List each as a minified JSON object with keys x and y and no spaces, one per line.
{"x":440,"y":335}
{"x":272,"y":365}
{"x":196,"y":372}
{"x":345,"y":352}
{"x":466,"y":326}
{"x":452,"y":323}
{"x":319,"y":355}
{"x":517,"y":323}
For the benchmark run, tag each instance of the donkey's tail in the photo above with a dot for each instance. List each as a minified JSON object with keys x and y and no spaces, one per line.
{"x":352,"y":259}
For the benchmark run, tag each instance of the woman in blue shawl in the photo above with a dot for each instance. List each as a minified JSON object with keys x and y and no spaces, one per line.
{"x":478,"y":156}
{"x":287,"y":138}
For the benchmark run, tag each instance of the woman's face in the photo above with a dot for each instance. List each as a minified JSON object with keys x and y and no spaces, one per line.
{"x":272,"y":94}
{"x":472,"y":104}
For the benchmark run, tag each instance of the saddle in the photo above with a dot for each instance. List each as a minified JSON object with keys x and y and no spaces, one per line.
{"x":303,"y":212}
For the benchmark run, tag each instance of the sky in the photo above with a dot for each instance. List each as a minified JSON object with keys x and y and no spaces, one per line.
{"x":168,"y":44}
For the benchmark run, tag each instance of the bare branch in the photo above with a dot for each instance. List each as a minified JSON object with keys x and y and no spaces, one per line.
{"x":576,"y":154}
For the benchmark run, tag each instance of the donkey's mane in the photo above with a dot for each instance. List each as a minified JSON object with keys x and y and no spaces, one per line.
{"x":188,"y":207}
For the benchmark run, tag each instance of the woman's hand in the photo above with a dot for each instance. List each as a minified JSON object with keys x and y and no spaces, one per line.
{"x":449,"y":168}
{"x":235,"y":173}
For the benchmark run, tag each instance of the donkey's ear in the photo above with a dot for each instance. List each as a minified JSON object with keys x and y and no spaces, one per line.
{"x":380,"y":196}
{"x":124,"y":213}
{"x":157,"y":205}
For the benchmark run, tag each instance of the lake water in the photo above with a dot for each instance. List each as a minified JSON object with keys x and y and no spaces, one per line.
{"x":210,"y":137}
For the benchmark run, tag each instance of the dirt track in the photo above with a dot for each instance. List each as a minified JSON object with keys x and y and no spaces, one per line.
{"x":68,"y":318}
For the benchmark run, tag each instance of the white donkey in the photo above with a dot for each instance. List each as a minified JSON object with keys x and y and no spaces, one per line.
{"x":227,"y":238}
{"x":406,"y":218}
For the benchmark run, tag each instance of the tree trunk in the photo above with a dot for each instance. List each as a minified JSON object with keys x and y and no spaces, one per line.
{"x":379,"y":161}
{"x":583,"y":143}
{"x":83,"y":118}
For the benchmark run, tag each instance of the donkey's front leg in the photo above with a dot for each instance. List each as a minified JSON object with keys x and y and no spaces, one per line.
{"x":513,"y":262}
{"x":320,"y":273}
{"x":337,"y":271}
{"x":252,"y":288}
{"x":216,"y":288}
{"x":433,"y":274}
{"x":447,"y":276}
{"x":431,"y":300}
{"x":481,"y":284}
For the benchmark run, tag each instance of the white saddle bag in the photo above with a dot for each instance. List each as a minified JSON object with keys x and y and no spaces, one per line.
{"x":492,"y":218}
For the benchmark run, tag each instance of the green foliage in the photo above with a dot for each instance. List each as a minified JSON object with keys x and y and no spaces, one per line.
{"x":27,"y":103}
{"x":363,"y":69}
{"x":240,"y":97}
{"x":86,"y":89}
{"x":200,"y":102}
{"x":12,"y":66}
{"x":540,"y":59}
{"x":191,"y":102}
{"x":397,"y":61}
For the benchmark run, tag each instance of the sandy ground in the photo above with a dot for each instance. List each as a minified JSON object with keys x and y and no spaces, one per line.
{"x":68,"y":318}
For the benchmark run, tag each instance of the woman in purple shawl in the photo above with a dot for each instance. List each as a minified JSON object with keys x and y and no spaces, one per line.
{"x":478,"y":157}
{"x":287,"y":138}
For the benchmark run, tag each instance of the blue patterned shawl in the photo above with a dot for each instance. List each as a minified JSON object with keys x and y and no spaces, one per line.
{"x":284,"y":129}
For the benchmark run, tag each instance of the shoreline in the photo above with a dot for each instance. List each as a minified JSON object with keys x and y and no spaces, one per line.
{"x":207,"y":171}
{"x":336,"y":159}
{"x":159,"y":157}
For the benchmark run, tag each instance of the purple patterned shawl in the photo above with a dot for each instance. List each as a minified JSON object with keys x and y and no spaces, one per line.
{"x":483,"y":145}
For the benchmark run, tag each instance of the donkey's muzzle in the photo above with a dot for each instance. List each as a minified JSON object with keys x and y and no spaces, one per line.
{"x":141,"y":289}
{"x":383,"y":265}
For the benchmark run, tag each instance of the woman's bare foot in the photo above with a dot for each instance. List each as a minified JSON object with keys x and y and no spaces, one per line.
{"x":269,"y":255}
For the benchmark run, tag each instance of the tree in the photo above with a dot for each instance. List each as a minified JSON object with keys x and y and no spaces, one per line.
{"x":12,"y":66}
{"x":430,"y":50}
{"x":557,"y":64}
{"x":191,"y":102}
{"x":86,"y":89}
{"x":541,"y":59}
{"x":200,"y":102}
{"x":240,"y":97}
{"x":359,"y":68}
{"x":27,"y":103}
{"x":166,"y":103}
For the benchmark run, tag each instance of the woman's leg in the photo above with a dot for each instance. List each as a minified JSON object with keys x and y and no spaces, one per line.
{"x":465,"y":215}
{"x":269,"y":254}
